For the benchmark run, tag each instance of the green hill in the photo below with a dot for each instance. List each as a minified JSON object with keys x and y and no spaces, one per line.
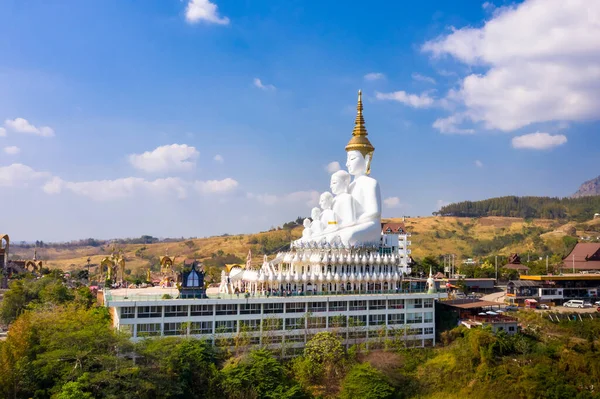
{"x":577,"y":209}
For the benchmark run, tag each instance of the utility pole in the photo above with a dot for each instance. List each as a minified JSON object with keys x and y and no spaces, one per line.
{"x":88,"y":267}
{"x":496,"y":269}
{"x":546,"y":264}
{"x":573,"y":263}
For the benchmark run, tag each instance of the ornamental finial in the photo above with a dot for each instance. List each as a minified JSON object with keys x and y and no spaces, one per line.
{"x":359,"y":140}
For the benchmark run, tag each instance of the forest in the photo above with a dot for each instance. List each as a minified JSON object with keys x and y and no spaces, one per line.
{"x":577,"y":209}
{"x":61,"y":346}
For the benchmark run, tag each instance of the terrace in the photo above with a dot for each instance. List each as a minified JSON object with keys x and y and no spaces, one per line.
{"x":159,"y":293}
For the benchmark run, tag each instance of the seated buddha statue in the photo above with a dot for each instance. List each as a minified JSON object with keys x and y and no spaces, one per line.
{"x":327,"y":216}
{"x":306,"y":233}
{"x":316,"y":227}
{"x":343,"y":203}
{"x":365,"y":225}
{"x":356,"y":208}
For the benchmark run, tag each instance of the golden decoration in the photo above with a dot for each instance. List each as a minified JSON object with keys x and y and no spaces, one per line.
{"x":359,"y":140}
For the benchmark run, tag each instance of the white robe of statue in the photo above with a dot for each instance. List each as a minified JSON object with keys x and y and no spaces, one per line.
{"x":365,"y":226}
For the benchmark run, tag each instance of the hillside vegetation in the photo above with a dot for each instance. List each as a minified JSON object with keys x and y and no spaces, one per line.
{"x":61,"y":346}
{"x":431,"y":236}
{"x":577,"y":209}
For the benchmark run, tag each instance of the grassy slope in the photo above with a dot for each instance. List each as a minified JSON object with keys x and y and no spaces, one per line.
{"x":450,"y":238}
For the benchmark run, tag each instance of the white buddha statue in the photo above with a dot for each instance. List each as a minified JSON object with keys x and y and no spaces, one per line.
{"x":306,"y":233}
{"x":356,"y":208}
{"x":316,"y":227}
{"x":366,"y":224}
{"x":343,"y":204}
{"x":327,"y":215}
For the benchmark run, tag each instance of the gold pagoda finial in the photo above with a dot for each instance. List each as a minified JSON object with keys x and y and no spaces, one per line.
{"x":359,"y":140}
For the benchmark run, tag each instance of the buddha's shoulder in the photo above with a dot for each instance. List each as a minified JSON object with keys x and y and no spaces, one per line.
{"x":366,"y":181}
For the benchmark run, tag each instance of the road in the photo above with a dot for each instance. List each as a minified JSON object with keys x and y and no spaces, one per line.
{"x":495,"y":297}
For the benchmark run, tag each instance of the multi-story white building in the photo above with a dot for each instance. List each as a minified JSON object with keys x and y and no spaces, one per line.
{"x":287,"y":321}
{"x":395,"y":237}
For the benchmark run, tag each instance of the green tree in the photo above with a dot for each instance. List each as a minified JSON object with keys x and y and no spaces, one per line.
{"x":72,"y":390}
{"x":259,"y":375}
{"x":52,"y":345}
{"x":366,"y":382}
{"x":322,"y":363}
{"x":182,"y":368}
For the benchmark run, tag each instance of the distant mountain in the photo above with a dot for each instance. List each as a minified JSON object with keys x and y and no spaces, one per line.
{"x":589,"y":188}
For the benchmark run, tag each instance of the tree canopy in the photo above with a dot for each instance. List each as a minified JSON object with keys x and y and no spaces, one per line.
{"x":579,"y":209}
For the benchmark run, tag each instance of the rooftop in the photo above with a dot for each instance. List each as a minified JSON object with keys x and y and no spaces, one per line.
{"x":561,"y":277}
{"x":470,"y":303}
{"x":393,"y":227}
{"x":157,"y":293}
{"x":585,"y":256}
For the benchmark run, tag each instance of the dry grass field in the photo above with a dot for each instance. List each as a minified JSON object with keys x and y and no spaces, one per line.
{"x":430,"y":236}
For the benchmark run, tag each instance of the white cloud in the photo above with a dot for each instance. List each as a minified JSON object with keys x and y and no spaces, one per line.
{"x":203,"y":10}
{"x":478,"y":163}
{"x":333,"y":167}
{"x":417,"y":101}
{"x":392,"y":202}
{"x":216,"y":186}
{"x":542,"y":59}
{"x":21,"y":125}
{"x":17,"y":174}
{"x":267,"y":199}
{"x":488,"y":6}
{"x":174,"y":157}
{"x":53,"y":186}
{"x":12,"y":150}
{"x":127,"y":187}
{"x":2,"y":132}
{"x":374,"y":76}
{"x":309,"y":198}
{"x":449,"y":125}
{"x":219,"y":158}
{"x":422,"y":78}
{"x":538,"y":141}
{"x":110,"y":190}
{"x":258,"y":83}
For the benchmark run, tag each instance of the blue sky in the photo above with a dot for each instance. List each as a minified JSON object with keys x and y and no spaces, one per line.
{"x":193,"y":118}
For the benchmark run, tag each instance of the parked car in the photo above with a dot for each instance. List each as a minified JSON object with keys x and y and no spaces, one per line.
{"x":587,"y":305}
{"x":597,"y":303}
{"x":543,"y":306}
{"x":512,"y":308}
{"x":574,"y":303}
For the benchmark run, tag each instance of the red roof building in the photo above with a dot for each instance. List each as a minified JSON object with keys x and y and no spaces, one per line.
{"x":585,"y":256}
{"x":393,"y":228}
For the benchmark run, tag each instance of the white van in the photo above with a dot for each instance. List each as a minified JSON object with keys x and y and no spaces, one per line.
{"x":573,"y":303}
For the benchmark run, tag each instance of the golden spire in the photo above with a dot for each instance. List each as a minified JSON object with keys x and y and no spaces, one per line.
{"x":359,"y":140}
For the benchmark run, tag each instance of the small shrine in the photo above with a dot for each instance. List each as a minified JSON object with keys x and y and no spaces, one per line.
{"x":192,"y":282}
{"x":113,"y":264}
{"x":168,"y":275}
{"x":514,"y":263}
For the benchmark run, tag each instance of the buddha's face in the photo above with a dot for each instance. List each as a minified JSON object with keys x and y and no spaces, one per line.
{"x":315,"y":214}
{"x":356,"y":163}
{"x":306,"y":223}
{"x":326,"y":201}
{"x":337,"y":186}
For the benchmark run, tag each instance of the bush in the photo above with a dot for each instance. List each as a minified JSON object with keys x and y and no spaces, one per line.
{"x":366,"y":382}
